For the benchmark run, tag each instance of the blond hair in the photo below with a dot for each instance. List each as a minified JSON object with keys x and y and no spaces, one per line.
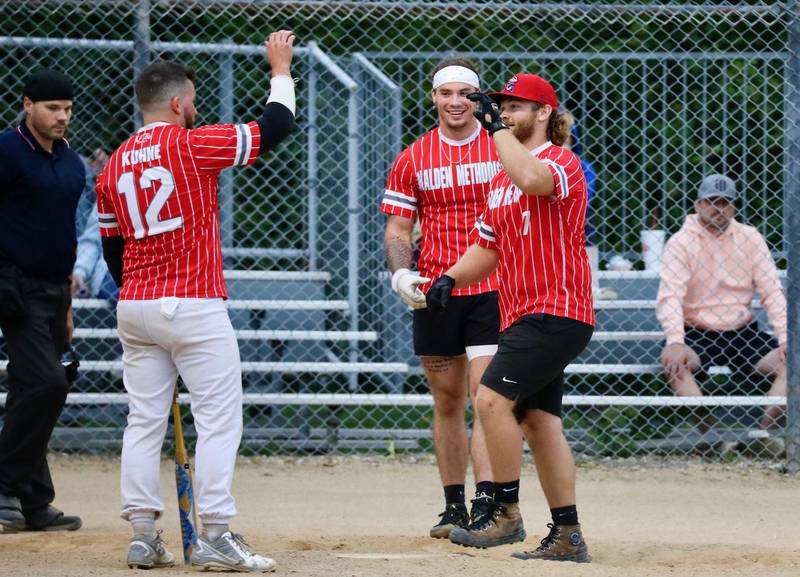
{"x":559,"y":127}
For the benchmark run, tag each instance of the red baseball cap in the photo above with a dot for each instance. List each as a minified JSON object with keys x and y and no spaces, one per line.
{"x":529,"y":87}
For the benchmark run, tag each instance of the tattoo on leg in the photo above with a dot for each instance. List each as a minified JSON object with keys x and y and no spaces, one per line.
{"x":438,"y":364}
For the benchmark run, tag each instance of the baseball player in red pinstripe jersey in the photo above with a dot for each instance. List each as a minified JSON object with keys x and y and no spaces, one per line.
{"x":443,"y":178}
{"x":158,"y":214}
{"x":532,"y":231}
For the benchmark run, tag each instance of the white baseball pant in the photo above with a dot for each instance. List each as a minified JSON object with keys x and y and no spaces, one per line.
{"x":161,"y":339}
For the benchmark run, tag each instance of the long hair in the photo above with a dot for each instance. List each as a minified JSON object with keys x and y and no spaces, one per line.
{"x":558,"y":125}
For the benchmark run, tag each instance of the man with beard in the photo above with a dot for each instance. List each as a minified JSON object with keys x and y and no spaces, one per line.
{"x":443,"y":179}
{"x":41,"y":179}
{"x":532,"y":232}
{"x":158,"y":214}
{"x":710,"y":271}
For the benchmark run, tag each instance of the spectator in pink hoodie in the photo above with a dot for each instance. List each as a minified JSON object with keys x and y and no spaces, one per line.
{"x":710,"y":270}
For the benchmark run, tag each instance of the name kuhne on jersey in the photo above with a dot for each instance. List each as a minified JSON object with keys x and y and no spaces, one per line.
{"x":141,"y":155}
{"x":465,"y":174}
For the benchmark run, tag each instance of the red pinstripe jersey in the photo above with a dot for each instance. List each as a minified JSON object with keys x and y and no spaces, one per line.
{"x":540,"y":243}
{"x":159,"y":192}
{"x":445,"y":183}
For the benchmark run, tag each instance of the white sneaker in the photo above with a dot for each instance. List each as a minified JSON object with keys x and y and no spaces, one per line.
{"x":229,"y":551}
{"x":147,"y":552}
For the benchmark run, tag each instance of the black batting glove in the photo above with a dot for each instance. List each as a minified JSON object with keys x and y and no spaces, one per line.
{"x":438,"y":296}
{"x":486,"y":112}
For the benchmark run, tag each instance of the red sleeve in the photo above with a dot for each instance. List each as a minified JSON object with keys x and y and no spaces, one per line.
{"x":486,"y":237}
{"x":221,"y":146}
{"x":106,"y":216}
{"x":567,"y":175}
{"x":400,"y":195}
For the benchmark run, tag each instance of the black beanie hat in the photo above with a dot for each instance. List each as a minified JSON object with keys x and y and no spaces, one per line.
{"x":47,"y":85}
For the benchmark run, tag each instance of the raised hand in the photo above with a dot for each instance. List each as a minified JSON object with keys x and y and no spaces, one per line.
{"x":279,"y":48}
{"x":487,"y":112}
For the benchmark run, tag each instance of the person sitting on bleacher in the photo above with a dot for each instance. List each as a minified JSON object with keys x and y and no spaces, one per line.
{"x":710,"y":270}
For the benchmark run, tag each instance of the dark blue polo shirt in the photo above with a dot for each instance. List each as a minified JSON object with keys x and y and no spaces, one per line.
{"x":39,"y":194}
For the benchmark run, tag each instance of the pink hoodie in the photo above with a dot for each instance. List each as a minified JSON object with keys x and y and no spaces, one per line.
{"x":708,"y":281}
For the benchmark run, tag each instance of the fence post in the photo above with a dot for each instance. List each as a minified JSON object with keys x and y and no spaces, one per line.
{"x":792,"y":228}
{"x":141,"y":50}
{"x":313,"y":150}
{"x":353,"y":222}
{"x":225,"y":90}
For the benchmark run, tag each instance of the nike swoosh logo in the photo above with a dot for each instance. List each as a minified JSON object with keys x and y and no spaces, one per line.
{"x":505,"y":380}
{"x":507,"y":490}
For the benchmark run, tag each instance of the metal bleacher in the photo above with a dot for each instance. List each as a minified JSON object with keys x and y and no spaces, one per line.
{"x":287,"y":327}
{"x":282,"y":327}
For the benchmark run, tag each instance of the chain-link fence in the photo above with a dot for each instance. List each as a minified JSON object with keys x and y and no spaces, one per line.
{"x":663,"y":95}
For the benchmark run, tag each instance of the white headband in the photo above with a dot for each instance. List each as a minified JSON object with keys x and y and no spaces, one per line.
{"x":455,"y":74}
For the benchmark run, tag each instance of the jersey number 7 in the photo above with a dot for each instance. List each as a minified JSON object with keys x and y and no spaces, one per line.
{"x":151,"y":176}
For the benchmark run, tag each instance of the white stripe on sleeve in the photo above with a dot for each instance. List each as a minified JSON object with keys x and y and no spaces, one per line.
{"x":561,"y":174}
{"x":240,"y":144}
{"x":485,"y":231}
{"x":248,"y":143}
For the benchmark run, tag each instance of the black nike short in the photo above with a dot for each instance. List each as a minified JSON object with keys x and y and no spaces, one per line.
{"x":468,"y":321}
{"x":531,"y":357}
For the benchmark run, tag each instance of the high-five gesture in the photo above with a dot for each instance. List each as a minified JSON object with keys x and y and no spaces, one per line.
{"x":279,"y":51}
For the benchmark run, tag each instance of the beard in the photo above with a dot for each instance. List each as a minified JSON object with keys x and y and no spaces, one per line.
{"x":188,"y":120}
{"x":720,"y":225}
{"x":522,"y":131}
{"x":49,"y":131}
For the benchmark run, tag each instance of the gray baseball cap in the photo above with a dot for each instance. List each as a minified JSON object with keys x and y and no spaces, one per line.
{"x":716,"y":185}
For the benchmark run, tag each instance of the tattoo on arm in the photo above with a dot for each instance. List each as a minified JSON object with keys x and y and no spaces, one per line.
{"x":437,"y":364}
{"x":398,"y":252}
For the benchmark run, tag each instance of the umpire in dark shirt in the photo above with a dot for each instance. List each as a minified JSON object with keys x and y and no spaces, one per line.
{"x":41,"y":180}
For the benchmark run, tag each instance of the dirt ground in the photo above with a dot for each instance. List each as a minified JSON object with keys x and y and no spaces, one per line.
{"x":359,"y":517}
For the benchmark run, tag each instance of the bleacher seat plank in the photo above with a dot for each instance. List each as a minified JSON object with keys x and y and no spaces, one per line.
{"x":638,"y":304}
{"x":243,"y":304}
{"x":267,"y":367}
{"x":258,"y":334}
{"x":395,"y":400}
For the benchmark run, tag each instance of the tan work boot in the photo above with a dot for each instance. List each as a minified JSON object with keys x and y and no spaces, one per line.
{"x":564,"y":543}
{"x":502,"y":524}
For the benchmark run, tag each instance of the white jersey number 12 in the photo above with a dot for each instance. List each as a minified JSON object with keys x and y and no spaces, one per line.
{"x":127,"y":187}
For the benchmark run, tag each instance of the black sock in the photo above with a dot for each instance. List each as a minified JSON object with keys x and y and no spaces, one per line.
{"x":565,"y":515}
{"x":484,"y":488}
{"x":507,"y":492}
{"x":454,"y":494}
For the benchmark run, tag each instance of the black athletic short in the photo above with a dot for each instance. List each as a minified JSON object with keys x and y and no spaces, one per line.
{"x":468,"y":321}
{"x":530,"y":361}
{"x":739,"y":349}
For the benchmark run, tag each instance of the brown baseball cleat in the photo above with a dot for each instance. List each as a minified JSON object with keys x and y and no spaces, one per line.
{"x":564,"y":543}
{"x":501,"y":525}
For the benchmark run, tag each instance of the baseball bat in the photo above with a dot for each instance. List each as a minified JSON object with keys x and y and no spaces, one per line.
{"x":183,"y":482}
